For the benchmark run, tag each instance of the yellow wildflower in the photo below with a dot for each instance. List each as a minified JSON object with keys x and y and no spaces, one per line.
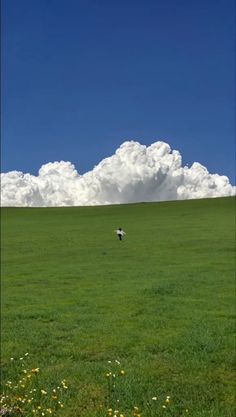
{"x":35,"y":370}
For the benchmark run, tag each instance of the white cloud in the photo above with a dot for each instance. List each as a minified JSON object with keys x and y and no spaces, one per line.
{"x":134,"y":173}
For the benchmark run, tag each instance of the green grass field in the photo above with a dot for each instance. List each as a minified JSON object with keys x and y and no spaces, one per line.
{"x":161,"y":302}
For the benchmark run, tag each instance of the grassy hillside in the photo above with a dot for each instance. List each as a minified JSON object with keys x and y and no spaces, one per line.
{"x":161,"y":302}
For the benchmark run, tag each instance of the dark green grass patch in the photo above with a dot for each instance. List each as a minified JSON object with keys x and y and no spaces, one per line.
{"x":161,"y":302}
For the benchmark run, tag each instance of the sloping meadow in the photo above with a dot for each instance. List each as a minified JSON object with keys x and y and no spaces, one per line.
{"x":93,"y":326}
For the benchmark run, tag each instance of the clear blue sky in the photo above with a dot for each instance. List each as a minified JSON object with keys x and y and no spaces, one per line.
{"x":81,"y":76}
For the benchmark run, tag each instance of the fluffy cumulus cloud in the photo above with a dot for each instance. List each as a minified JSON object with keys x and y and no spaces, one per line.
{"x":134,"y":173}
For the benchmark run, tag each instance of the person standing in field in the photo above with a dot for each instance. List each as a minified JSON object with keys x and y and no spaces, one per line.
{"x":120,"y":233}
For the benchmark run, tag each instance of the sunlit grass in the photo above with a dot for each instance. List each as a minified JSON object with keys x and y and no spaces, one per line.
{"x":161,"y":302}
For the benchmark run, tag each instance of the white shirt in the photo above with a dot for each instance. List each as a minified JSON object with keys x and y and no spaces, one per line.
{"x":120,"y":232}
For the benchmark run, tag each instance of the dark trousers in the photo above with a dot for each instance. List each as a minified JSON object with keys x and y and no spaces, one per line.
{"x":120,"y":237}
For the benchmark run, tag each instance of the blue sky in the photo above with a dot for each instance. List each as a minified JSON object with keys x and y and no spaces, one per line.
{"x":82,"y":76}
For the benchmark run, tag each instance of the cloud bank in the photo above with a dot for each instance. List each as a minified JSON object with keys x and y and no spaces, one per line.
{"x":135,"y":173}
